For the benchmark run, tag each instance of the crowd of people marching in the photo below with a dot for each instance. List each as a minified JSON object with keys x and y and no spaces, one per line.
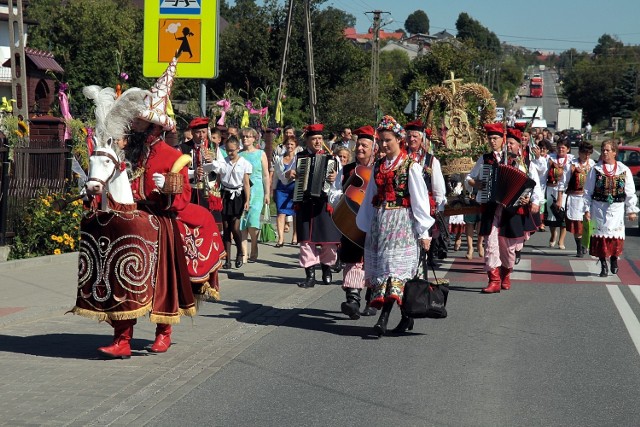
{"x":371,"y":201}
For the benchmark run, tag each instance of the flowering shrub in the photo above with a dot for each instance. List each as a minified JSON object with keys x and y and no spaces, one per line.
{"x":41,"y":230}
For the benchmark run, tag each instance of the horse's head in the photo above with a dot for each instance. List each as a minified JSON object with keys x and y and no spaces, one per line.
{"x":104,"y":166}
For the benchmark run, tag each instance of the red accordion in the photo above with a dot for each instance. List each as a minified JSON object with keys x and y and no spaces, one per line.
{"x":504,"y":184}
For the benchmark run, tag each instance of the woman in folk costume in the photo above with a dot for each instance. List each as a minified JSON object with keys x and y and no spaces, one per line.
{"x":183,"y":248}
{"x":608,"y":194}
{"x":580,"y":168}
{"x":557,"y":170}
{"x":395,"y":216}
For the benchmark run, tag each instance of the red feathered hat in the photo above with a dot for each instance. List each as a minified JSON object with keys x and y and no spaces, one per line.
{"x":315,"y":129}
{"x":515,"y":134}
{"x":494,"y":129}
{"x":521,"y":125}
{"x":199,"y":123}
{"x":415,"y":125}
{"x":365,"y":132}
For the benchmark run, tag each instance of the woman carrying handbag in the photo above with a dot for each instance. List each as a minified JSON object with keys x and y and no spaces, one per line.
{"x":395,"y":216}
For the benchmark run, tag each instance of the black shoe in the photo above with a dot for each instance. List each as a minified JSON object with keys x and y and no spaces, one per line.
{"x":351,"y":307}
{"x":227,"y":264}
{"x":517,"y":257}
{"x":406,"y":323}
{"x":604,"y":272}
{"x":310,"y":281}
{"x":369,"y":311}
{"x":326,"y":274}
{"x":380,"y":328}
{"x":337,"y":267}
{"x":239,"y":261}
{"x":614,"y":265}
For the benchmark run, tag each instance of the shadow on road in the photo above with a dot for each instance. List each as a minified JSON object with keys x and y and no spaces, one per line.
{"x":66,"y":346}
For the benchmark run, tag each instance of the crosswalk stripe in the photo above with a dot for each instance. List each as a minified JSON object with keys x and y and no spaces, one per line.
{"x":628,"y":317}
{"x":522,"y":271}
{"x":588,"y":271}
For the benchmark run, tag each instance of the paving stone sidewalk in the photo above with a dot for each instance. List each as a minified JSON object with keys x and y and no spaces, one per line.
{"x":51,"y":374}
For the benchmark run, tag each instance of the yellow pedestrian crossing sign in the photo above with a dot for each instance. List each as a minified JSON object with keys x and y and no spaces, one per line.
{"x":184,"y":28}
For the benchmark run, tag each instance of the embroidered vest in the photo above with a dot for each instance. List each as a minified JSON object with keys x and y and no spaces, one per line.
{"x":609,"y":189}
{"x":576,"y":181}
{"x":398,"y":195}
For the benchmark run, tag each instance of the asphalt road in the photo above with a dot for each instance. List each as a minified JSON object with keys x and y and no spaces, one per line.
{"x":556,"y":350}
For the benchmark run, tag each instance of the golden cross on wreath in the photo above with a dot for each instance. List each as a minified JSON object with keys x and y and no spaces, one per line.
{"x":452,"y":81}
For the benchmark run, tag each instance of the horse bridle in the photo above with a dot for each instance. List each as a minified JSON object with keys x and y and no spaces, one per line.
{"x":103,"y":153}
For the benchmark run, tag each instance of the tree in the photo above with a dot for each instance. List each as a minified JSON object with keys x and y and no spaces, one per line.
{"x":623,"y":102}
{"x":417,"y":23}
{"x":90,"y":45}
{"x":607,"y":45}
{"x":470,"y":29}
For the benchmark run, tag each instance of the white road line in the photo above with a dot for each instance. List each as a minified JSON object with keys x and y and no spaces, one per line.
{"x":635,"y":290}
{"x":628,"y":316}
{"x":589,"y":271}
{"x":522,"y":271}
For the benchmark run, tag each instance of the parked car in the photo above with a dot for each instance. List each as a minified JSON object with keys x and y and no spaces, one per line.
{"x":574,"y":135}
{"x":630,"y":156}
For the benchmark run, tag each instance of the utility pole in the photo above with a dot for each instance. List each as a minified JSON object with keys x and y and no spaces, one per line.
{"x":375,"y":59}
{"x":18,"y":60}
{"x":285,"y":53}
{"x":310,"y":67}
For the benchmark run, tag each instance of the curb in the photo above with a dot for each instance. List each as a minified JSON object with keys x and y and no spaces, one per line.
{"x":37,"y":261}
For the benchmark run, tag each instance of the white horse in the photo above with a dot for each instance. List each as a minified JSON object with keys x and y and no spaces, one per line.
{"x":107,"y":174}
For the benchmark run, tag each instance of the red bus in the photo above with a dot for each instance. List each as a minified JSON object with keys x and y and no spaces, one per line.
{"x":535,"y":87}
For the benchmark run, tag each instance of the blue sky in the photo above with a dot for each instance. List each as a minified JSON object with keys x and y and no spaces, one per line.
{"x":543,"y":24}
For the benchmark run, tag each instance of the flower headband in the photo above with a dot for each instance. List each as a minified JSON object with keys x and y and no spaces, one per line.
{"x":389,"y":123}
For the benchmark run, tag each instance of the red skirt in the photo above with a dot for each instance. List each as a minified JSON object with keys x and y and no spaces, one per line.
{"x":574,"y":226}
{"x":605,"y":247}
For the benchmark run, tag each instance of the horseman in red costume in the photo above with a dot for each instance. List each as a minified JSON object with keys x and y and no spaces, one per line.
{"x":182,"y":247}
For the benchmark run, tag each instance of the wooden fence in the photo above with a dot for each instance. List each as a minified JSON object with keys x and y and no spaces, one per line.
{"x":27,"y":170}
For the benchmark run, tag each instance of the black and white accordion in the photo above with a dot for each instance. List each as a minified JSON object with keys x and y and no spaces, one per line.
{"x":311,"y":175}
{"x":505,"y":185}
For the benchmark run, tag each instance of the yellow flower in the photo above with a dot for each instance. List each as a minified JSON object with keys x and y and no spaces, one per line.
{"x":54,"y":237}
{"x":71,"y":245}
{"x":75,"y":215}
{"x":59,"y":239}
{"x":66,"y":236}
{"x":46,"y":202}
{"x":56,"y":252}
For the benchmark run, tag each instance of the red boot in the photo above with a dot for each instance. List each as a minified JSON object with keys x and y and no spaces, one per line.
{"x":163,"y":339}
{"x":120,"y":348}
{"x":494,"y":282}
{"x":505,"y":277}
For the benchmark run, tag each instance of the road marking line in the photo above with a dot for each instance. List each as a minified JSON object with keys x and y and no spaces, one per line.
{"x":635,"y":290}
{"x":522,"y":271}
{"x":628,"y":316}
{"x":588,"y":271}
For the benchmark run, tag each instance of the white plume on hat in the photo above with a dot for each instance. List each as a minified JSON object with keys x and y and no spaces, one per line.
{"x":157,"y":102}
{"x":114,"y":115}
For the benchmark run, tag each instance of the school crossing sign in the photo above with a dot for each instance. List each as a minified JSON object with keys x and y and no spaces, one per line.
{"x":186,"y":28}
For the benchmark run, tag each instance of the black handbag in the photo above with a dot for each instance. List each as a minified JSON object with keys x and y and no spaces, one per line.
{"x":423,"y":298}
{"x":558,"y":212}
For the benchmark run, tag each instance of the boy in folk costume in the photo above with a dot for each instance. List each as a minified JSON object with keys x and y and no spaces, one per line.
{"x":314,"y":225}
{"x":503,"y":228}
{"x":181,"y":250}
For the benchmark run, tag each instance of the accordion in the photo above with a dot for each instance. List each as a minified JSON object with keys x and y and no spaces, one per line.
{"x":311,"y":176}
{"x":505,"y":185}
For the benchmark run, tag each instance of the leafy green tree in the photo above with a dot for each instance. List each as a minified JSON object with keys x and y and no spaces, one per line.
{"x":89,"y":43}
{"x":417,"y":23}
{"x":623,"y":99}
{"x":470,"y":29}
{"x":607,"y":46}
